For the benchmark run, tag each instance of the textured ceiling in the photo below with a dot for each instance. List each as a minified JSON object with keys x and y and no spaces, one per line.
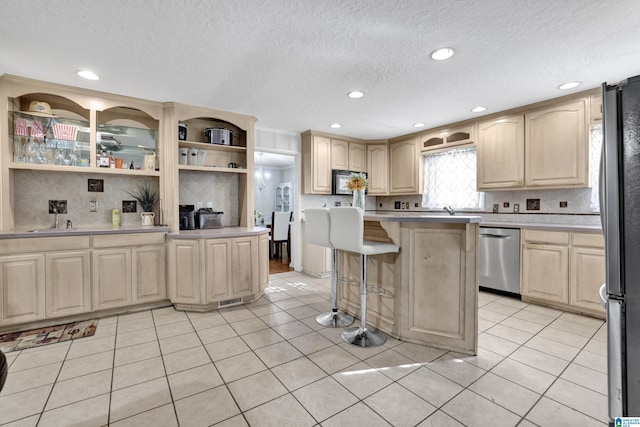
{"x":290,"y":63}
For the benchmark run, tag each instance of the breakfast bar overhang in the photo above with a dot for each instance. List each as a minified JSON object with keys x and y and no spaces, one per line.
{"x":428,"y":292}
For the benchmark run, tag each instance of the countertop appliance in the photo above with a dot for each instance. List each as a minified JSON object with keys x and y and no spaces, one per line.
{"x":340,"y":181}
{"x":499,"y":260}
{"x":218,"y":136}
{"x":620,"y":215}
{"x":207,"y":218}
{"x":187,"y":217}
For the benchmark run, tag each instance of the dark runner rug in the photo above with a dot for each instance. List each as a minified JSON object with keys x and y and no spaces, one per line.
{"x":14,"y":341}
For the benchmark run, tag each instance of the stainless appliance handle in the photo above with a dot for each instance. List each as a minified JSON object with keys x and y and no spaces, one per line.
{"x":609,"y":196}
{"x":495,"y":236}
{"x":614,"y":358}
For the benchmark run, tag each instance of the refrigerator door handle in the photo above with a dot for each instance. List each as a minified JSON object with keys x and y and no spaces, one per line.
{"x":617,"y":405}
{"x":609,"y":196}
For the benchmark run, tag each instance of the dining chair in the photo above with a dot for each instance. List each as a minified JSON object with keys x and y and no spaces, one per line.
{"x":280,"y":233}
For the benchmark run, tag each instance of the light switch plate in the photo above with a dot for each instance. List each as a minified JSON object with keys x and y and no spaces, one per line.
{"x":516,"y":207}
{"x":93,"y":206}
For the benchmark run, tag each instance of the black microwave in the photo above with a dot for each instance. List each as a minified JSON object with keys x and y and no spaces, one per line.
{"x":340,"y":181}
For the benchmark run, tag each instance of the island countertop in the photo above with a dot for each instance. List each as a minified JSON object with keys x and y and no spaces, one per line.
{"x":421,"y":217}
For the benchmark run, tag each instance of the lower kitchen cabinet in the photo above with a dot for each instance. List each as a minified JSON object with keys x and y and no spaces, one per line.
{"x":68,"y":283}
{"x":208,"y":273}
{"x":125,"y":274}
{"x":111,"y":278}
{"x":149,"y":279}
{"x":22,"y":287}
{"x":563,"y":269}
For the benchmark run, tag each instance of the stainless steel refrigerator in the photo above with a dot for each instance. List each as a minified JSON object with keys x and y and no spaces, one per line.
{"x":620,"y":213}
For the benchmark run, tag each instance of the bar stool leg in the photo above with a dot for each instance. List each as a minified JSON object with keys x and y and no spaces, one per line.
{"x":334,"y":318}
{"x":363,"y":336}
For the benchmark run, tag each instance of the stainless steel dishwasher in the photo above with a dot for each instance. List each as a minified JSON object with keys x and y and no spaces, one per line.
{"x":499,"y":259}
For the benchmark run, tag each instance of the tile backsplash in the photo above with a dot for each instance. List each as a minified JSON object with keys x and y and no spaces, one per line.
{"x":33,"y":190}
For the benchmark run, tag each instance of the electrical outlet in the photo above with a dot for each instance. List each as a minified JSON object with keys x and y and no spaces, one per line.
{"x":495,"y":208}
{"x":406,"y":206}
{"x":402,"y":205}
{"x":210,"y":205}
{"x":516,"y":208}
{"x":198,"y":205}
{"x":93,"y":206}
{"x":396,"y":205}
{"x":59,"y":206}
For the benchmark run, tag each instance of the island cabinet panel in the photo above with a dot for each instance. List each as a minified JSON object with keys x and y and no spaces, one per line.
{"x":217,"y":269}
{"x":111,"y":278}
{"x":68,"y":283}
{"x":184,"y":271}
{"x":22,"y":288}
{"x":437,"y":300}
{"x":149,"y":274}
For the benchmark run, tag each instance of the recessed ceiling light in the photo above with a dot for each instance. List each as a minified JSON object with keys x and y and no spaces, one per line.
{"x":336,"y":125}
{"x":419,"y":125}
{"x":89,"y":75}
{"x":442,"y":54}
{"x":478,"y":109}
{"x":355,"y":94}
{"x":569,"y":85}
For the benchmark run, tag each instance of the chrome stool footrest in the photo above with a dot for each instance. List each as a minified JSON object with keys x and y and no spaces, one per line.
{"x":376,"y":290}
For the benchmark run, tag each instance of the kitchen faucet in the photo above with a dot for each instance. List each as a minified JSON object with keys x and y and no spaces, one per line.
{"x":55,"y":221}
{"x":449,"y":210}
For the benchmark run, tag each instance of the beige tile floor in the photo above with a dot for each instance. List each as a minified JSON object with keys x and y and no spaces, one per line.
{"x":270,"y":364}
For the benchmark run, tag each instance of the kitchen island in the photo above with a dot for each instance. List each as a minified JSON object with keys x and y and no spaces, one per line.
{"x":430,"y":287}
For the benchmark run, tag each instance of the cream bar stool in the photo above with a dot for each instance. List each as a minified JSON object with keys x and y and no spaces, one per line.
{"x":347,"y":234}
{"x":317,"y":228}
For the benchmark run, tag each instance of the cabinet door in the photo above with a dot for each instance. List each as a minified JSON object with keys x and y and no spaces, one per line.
{"x":68,"y":283}
{"x":556,"y":146}
{"x":184,"y":271}
{"x":245,"y":268}
{"x":545,"y":272}
{"x":321,"y":166}
{"x":111,"y":278}
{"x":500,"y":153}
{"x":404,"y":161}
{"x":339,"y":154}
{"x":149,"y":274}
{"x":586,"y":276}
{"x":357,"y":157}
{"x":22,"y":295}
{"x":217,"y":269}
{"x":377,"y":165}
{"x":263,"y":260}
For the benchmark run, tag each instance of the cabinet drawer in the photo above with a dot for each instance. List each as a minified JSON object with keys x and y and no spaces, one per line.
{"x":135,"y":239}
{"x":595,"y":240}
{"x":538,"y":236}
{"x":43,"y":244}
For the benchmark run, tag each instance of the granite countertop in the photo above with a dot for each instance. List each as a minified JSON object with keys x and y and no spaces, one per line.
{"x":215,"y":233}
{"x":543,"y":226}
{"x":421,"y":217}
{"x":83,"y":231}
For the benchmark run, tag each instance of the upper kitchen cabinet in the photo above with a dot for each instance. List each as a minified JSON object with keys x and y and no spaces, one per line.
{"x":405,"y":166}
{"x":543,"y":147}
{"x":208,"y":146}
{"x":378,"y":167}
{"x":445,"y":138}
{"x":500,"y":153}
{"x":59,"y":128}
{"x":347,"y":155}
{"x":316,"y":164}
{"x":556,"y":146}
{"x":596,"y":108}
